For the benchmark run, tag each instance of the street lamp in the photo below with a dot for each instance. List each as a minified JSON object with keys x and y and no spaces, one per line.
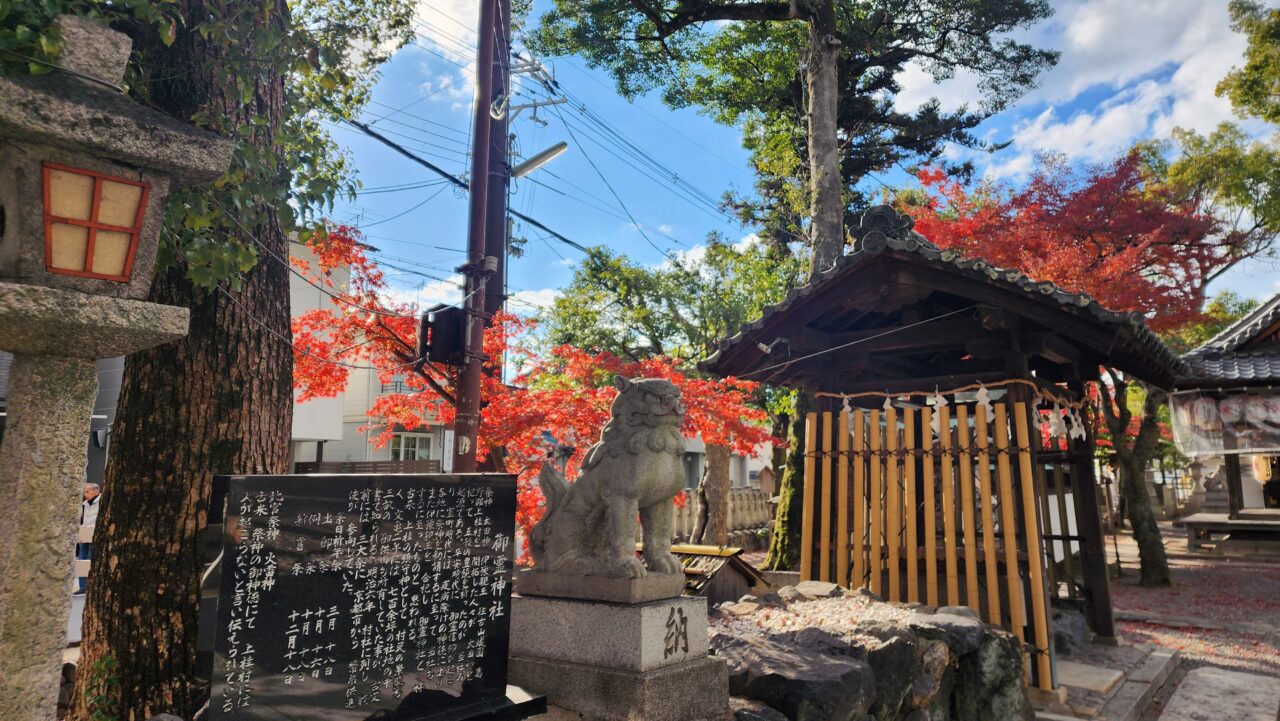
{"x":539,"y":160}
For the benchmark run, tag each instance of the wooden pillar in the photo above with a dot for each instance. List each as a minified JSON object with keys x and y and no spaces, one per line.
{"x":1093,"y":544}
{"x":1235,"y":487}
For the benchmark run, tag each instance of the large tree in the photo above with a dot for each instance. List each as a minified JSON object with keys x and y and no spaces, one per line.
{"x":1125,"y":235}
{"x":813,"y":81}
{"x":1254,"y":89}
{"x":220,"y":400}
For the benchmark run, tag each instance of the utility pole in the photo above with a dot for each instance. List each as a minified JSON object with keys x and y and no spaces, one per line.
{"x":496,"y":225}
{"x":479,"y":268}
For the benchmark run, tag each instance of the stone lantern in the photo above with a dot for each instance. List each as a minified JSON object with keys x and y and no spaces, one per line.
{"x":84,"y":173}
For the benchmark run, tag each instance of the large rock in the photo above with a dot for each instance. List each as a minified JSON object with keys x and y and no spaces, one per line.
{"x":1070,"y":631}
{"x":895,"y":665}
{"x":802,"y":683}
{"x":850,"y":657}
{"x":818,"y":589}
{"x":989,"y":682}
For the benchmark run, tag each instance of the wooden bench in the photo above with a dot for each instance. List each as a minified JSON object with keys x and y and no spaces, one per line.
{"x":1201,"y":526}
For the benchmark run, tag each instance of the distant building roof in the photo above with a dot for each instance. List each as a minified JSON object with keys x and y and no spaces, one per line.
{"x":1245,"y":353}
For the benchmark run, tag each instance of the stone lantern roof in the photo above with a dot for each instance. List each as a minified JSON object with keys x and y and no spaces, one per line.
{"x":80,"y":107}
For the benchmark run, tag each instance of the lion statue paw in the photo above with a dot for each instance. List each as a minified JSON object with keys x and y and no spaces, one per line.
{"x":663,"y":563}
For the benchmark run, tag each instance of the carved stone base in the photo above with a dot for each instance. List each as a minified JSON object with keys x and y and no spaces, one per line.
{"x":690,"y":691}
{"x":627,"y":637}
{"x":653,"y":587}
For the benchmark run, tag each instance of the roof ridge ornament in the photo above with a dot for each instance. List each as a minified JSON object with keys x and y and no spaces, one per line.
{"x":879,"y":225}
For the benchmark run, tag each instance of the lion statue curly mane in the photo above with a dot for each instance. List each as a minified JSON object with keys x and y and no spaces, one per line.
{"x":589,"y":525}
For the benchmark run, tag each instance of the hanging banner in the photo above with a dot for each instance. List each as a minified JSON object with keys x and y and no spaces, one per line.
{"x":1237,"y":423}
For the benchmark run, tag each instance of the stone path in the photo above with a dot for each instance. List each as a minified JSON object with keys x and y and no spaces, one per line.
{"x":1220,"y":612}
{"x":1214,"y":694}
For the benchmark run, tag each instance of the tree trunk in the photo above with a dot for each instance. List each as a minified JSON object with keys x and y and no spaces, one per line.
{"x":712,"y":526}
{"x":219,"y":401}
{"x":827,"y":205}
{"x":784,"y":545}
{"x":1154,"y":566}
{"x":1130,"y":462}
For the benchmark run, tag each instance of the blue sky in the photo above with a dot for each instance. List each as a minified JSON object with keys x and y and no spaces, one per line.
{"x":1130,"y":69}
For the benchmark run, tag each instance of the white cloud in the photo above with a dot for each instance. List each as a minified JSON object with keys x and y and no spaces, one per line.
{"x":447,"y":291}
{"x":918,"y":86}
{"x":447,"y":28}
{"x":525,"y":301}
{"x":1114,"y":42}
{"x":1154,"y":64}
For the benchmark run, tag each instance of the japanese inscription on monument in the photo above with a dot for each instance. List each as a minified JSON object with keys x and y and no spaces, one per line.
{"x":347,"y":597}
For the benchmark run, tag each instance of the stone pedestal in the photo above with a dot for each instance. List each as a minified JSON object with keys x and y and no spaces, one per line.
{"x":55,"y":335}
{"x":609,"y":661}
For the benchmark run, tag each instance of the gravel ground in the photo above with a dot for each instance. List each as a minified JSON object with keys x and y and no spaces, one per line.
{"x":838,"y":616}
{"x":1218,"y":612}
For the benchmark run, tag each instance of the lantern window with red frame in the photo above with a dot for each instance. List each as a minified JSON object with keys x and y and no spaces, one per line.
{"x":92,"y":222}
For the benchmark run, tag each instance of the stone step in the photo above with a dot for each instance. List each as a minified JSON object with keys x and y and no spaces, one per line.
{"x":1214,"y":693}
{"x":1134,"y":695}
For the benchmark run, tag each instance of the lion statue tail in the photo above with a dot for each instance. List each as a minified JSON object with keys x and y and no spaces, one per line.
{"x":555,"y":487}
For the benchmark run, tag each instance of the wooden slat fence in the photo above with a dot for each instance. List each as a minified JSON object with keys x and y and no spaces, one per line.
{"x":952,"y":518}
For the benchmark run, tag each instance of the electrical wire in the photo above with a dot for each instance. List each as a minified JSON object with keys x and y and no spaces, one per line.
{"x":855,"y":342}
{"x":405,"y":212}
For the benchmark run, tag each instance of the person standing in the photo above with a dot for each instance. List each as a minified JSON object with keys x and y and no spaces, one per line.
{"x":89,"y":518}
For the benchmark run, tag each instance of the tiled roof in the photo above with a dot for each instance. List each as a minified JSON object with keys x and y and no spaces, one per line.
{"x":1220,"y":360}
{"x":1246,"y":367}
{"x":882,"y":228}
{"x":1243,"y":330}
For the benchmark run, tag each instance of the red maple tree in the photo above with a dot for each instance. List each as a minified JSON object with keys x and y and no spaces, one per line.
{"x":566,"y":391}
{"x":1114,"y":231}
{"x":1119,"y":233}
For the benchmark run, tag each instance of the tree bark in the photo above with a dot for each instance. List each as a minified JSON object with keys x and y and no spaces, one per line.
{"x":1131,"y":460}
{"x":784,"y":545}
{"x":217,"y":402}
{"x":826,"y":185}
{"x":712,"y":526}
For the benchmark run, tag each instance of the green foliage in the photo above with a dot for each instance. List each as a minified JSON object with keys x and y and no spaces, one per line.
{"x":680,"y":308}
{"x":103,"y":689}
{"x":1255,"y":88}
{"x":745,"y":63}
{"x":1234,"y":178}
{"x":29,"y":44}
{"x":284,"y":159}
{"x":1221,"y":311}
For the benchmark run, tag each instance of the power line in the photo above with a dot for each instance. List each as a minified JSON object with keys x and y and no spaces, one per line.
{"x":456,"y":181}
{"x":405,"y":212}
{"x":609,"y":185}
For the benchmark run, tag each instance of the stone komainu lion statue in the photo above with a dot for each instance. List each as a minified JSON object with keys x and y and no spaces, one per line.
{"x":589,"y":526}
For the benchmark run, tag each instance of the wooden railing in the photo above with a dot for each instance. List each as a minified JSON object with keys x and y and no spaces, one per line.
{"x":749,"y":509}
{"x":367,"y":467}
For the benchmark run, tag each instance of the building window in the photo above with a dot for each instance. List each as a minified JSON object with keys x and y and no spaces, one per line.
{"x":411,"y":447}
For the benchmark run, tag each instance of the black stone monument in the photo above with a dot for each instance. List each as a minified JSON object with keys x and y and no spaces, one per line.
{"x":362,"y":598}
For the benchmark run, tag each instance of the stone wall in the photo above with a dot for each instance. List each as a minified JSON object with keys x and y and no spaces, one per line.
{"x":813,"y":652}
